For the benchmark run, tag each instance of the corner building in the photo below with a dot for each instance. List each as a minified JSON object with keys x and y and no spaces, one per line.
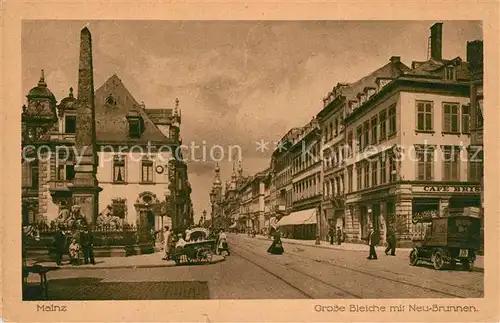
{"x":407,"y":139}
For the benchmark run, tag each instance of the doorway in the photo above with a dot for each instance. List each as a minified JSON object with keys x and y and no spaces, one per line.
{"x":150,"y":218}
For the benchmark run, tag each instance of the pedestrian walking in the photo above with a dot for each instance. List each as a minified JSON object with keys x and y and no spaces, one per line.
{"x":391,"y":242}
{"x":331,"y":235}
{"x":87,"y":241}
{"x":60,"y":245}
{"x":167,"y":243}
{"x":339,"y":236}
{"x":373,"y":241}
{"x":276,"y":247}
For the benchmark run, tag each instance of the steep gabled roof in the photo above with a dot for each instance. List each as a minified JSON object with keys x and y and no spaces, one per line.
{"x":111,"y":119}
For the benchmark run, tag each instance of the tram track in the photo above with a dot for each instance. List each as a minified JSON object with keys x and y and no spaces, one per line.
{"x":361,"y":272}
{"x":308,"y":295}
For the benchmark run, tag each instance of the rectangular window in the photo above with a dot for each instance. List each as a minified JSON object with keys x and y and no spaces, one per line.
{"x":393,"y":171}
{"x":383,"y":125}
{"x":366,"y":134}
{"x":451,"y":117}
{"x":466,"y":118}
{"x":26,"y":174}
{"x":392,"y":120}
{"x":119,"y":169}
{"x":374,"y":131}
{"x":475,"y":160}
{"x":366,"y":173}
{"x":374,"y":173}
{"x":336,"y":127}
{"x":349,"y":179}
{"x":350,"y":144}
{"x":450,"y":73}
{"x":134,"y":128}
{"x":425,"y":161}
{"x":451,"y":163}
{"x":147,"y":171}
{"x":70,"y":172}
{"x":359,"y":138}
{"x":70,"y":124}
{"x":30,"y":174}
{"x":359,"y":176}
{"x":383,"y":169}
{"x":424,"y":116}
{"x":479,"y":114}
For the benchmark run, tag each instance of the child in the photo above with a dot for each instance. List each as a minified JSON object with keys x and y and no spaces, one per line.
{"x":74,"y":252}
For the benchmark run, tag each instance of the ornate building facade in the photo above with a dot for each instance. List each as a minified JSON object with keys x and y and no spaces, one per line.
{"x":103,"y":151}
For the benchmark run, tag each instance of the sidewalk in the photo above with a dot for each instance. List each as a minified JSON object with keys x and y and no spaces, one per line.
{"x":140,"y":261}
{"x":478,"y":264}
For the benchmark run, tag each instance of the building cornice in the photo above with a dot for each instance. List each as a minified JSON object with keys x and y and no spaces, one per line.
{"x":408,"y":84}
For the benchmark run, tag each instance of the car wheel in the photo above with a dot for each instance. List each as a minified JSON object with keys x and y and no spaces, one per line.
{"x":413,"y":257}
{"x":438,"y":261}
{"x":468,"y":265}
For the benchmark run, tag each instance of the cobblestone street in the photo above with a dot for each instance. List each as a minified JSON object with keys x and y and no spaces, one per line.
{"x":250,"y":273}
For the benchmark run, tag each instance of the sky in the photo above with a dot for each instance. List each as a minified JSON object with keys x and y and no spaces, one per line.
{"x":238,"y":82}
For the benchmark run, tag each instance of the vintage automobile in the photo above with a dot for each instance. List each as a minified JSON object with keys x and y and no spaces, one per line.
{"x":449,"y":240}
{"x":198,"y":248}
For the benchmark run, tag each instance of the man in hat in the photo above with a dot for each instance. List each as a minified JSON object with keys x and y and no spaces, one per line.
{"x":373,"y":241}
{"x":87,"y":243}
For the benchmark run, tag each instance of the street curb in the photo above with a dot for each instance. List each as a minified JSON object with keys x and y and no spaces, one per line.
{"x":169,"y":264}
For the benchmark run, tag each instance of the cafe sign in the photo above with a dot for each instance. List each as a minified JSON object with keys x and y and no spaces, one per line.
{"x":447,"y":189}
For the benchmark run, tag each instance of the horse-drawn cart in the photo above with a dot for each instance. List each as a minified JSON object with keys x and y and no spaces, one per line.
{"x":198,"y":251}
{"x":198,"y":248}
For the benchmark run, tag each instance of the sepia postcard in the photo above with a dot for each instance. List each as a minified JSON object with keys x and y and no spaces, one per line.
{"x":250,"y":162}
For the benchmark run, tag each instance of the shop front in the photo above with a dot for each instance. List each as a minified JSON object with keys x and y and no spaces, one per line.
{"x":375,"y":208}
{"x":404,"y":206}
{"x":299,"y":225}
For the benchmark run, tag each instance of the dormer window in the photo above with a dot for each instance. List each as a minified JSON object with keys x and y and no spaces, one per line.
{"x":134,"y":128}
{"x":450,"y":73}
{"x":135,"y":124}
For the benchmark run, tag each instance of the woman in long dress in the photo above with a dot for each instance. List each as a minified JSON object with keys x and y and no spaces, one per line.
{"x":276,"y":247}
{"x":74,"y":252}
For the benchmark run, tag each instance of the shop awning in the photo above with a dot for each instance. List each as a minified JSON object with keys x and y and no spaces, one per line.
{"x":299,"y":217}
{"x":233,"y":225}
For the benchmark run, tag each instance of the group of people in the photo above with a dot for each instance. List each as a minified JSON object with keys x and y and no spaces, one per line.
{"x":338,"y":236}
{"x":81,"y":244}
{"x":373,"y":240}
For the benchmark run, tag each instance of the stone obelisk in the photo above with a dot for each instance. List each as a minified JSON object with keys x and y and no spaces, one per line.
{"x":85,"y":185}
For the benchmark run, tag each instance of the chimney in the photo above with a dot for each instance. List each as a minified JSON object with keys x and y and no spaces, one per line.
{"x":437,"y":41}
{"x":475,"y":54}
{"x":395,"y":59}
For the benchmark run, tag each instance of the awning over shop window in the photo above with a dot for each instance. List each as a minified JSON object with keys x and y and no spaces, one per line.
{"x":233,"y":225}
{"x":299,"y":218}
